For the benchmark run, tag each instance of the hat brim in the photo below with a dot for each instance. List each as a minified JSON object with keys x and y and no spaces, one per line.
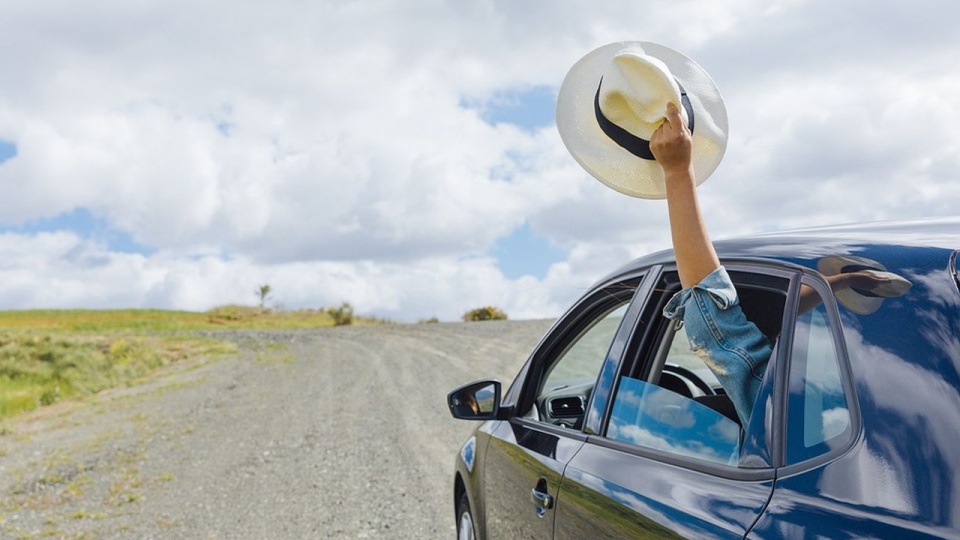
{"x":611,"y":164}
{"x":854,"y":300}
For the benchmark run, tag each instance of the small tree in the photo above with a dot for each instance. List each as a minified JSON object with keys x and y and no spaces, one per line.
{"x":263,"y":291}
{"x":486,"y":313}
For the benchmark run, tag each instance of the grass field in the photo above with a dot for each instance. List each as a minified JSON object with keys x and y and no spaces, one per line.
{"x":51,"y":355}
{"x":155,"y":320}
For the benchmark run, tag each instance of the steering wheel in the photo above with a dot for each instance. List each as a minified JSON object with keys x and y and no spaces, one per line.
{"x":690,"y":376}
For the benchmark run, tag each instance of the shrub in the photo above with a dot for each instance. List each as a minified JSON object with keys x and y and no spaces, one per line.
{"x":342,"y":316}
{"x":486,"y":313}
{"x":431,"y":320}
{"x":233,"y":314}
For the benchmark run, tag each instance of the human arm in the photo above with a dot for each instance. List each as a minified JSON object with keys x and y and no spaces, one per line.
{"x":732,"y":347}
{"x":671,"y":144}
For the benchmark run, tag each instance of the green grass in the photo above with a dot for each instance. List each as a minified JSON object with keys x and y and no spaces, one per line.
{"x":43,"y":368}
{"x":151,"y":320}
{"x":47,"y":356}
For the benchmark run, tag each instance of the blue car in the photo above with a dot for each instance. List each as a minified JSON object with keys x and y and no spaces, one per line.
{"x":615,"y":428}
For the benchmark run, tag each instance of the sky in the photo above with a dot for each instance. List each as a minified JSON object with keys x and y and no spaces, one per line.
{"x":403,"y":156}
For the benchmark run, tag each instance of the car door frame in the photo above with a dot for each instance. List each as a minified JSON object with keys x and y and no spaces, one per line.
{"x":521,"y":393}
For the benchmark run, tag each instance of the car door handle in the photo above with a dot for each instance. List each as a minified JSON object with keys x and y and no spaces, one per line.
{"x":542,"y":499}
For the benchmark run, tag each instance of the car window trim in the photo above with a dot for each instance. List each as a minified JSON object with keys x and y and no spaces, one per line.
{"x":549,"y":428}
{"x":678,"y":460}
{"x":776,"y":430}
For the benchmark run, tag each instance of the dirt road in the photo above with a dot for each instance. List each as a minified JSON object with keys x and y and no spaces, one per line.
{"x":335,"y":433}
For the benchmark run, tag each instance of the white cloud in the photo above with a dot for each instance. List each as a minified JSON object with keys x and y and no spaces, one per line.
{"x":326,"y":145}
{"x":63,"y":270}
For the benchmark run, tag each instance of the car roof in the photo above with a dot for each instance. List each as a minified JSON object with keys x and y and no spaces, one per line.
{"x":930,"y":239}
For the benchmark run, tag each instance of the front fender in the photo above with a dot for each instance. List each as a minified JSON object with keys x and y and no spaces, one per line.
{"x":468,"y":475}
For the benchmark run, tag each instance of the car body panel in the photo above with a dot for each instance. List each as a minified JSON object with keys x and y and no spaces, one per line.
{"x":901,"y":478}
{"x":613,"y":493}
{"x":521,"y":457}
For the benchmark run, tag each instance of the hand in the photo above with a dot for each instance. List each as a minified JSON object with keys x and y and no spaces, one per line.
{"x":672,"y":143}
{"x":864,"y":280}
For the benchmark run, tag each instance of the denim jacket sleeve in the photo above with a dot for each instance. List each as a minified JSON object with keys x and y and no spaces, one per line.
{"x":731,"y":346}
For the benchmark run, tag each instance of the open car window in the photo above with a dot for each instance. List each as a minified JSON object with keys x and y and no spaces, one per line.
{"x":671,"y":401}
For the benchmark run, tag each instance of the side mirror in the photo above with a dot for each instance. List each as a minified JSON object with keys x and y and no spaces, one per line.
{"x":475,"y":401}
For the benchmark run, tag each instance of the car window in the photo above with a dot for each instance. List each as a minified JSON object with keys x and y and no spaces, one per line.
{"x":681,"y":355}
{"x":568,"y":380}
{"x":671,"y":401}
{"x":818,"y":415}
{"x":648,"y":415}
{"x":665,"y":414}
{"x":582,"y":358}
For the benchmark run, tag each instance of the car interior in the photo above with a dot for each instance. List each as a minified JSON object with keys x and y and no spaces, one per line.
{"x":672,"y":365}
{"x":676,"y":368}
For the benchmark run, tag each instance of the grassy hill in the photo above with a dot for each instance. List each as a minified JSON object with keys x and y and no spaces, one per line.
{"x":156,"y":320}
{"x":51,"y":355}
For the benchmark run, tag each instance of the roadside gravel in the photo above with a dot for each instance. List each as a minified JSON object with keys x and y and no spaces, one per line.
{"x":330,"y":433}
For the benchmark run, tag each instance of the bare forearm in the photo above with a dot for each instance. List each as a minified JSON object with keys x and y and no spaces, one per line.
{"x":671,"y":143}
{"x":696,"y":257}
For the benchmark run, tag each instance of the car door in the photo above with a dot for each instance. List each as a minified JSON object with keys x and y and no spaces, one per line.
{"x":527,"y":453}
{"x":665,"y":456}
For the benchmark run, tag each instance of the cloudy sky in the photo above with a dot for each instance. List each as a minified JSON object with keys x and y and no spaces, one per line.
{"x":402,"y":156}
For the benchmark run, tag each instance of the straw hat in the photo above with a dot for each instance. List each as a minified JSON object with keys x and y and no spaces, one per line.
{"x":861,"y":301}
{"x":615,"y":97}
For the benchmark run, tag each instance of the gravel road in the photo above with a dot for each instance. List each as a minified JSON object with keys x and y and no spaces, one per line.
{"x":332,"y":433}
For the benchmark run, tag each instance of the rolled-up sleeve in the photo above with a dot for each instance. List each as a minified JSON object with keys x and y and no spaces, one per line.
{"x":734,"y":349}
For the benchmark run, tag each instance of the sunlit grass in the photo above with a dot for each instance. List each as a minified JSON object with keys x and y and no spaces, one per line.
{"x":150,"y":320}
{"x":42,"y":368}
{"x":47,"y":356}
{"x":101,"y":320}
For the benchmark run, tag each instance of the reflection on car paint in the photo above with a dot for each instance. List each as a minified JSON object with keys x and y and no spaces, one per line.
{"x":647,"y":415}
{"x":625,"y":514}
{"x":468,"y":452}
{"x":623,"y":497}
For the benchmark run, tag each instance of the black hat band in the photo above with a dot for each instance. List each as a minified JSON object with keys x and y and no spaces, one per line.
{"x":626,"y":140}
